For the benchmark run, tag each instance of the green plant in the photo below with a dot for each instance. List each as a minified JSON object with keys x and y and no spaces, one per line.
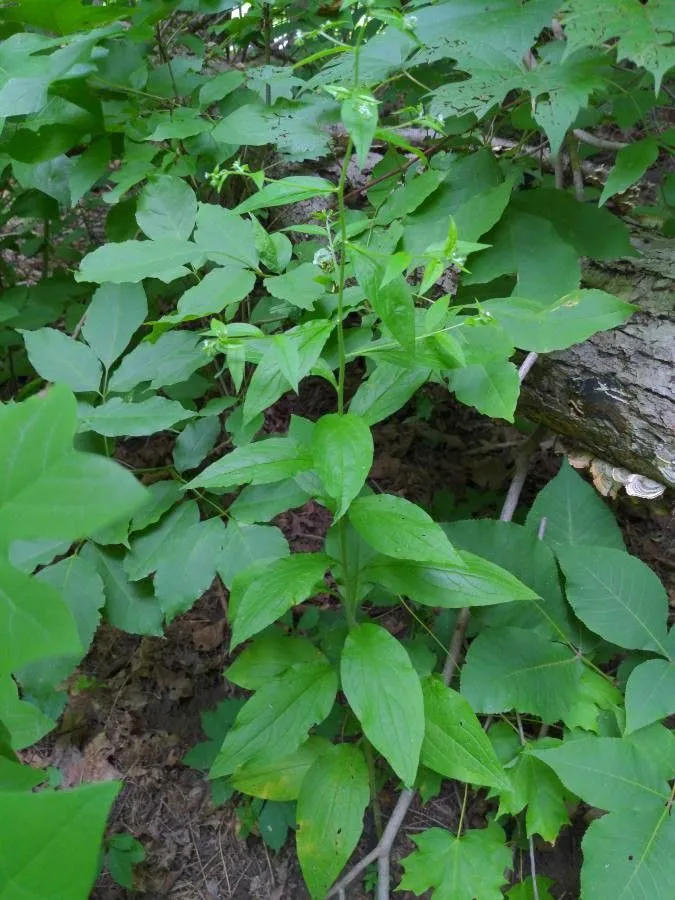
{"x":205,"y":313}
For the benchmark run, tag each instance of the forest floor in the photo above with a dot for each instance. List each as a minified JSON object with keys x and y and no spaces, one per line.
{"x":142,"y":712}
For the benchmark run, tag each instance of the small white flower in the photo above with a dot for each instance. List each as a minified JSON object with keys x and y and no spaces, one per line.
{"x":410,"y":21}
{"x":365,"y":110}
{"x":323,"y":258}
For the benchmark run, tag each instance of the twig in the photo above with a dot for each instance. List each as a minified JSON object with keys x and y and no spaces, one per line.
{"x":601,"y":143}
{"x":577,"y":174}
{"x":526,"y":365}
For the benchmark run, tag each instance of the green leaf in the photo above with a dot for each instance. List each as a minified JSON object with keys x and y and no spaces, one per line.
{"x":572,"y":319}
{"x":267,"y":461}
{"x":406,"y":198}
{"x":118,"y":417}
{"x":359,"y":116}
{"x":268,"y":656}
{"x":642,"y":31}
{"x":57,"y":357}
{"x":575,"y":514}
{"x":511,"y":668}
{"x":195,"y":442}
{"x":398,"y":528}
{"x":650,"y":693}
{"x":537,"y":787}
{"x":520,"y":552}
{"x":260,"y":503}
{"x":385,"y":694}
{"x":630,"y":165}
{"x":113,"y":317}
{"x":246,"y":545}
{"x":132,"y":261}
{"x":492,"y":387}
{"x":220,"y":86}
{"x":88,"y":168}
{"x":130,"y":606}
{"x":82,"y":589}
{"x":282,"y":584}
{"x":171,"y":359}
{"x":546,"y":266}
{"x":525,"y":890}
{"x":333,"y":797}
{"x":35,"y":621}
{"x":225,"y":238}
{"x":124,"y":851}
{"x":386,"y":390}
{"x":218,"y":289}
{"x":282,"y":779}
{"x":455,"y":744}
{"x":287,"y":190}
{"x":275,"y":721}
{"x":38,"y":852}
{"x":469,"y":581}
{"x":251,"y":124}
{"x":161,"y":496}
{"x":629,"y":855}
{"x":15,"y":777}
{"x":48,"y":489}
{"x":616,"y":595}
{"x":298,"y":286}
{"x":342,"y":446}
{"x":610,"y":773}
{"x":394,"y":304}
{"x":23,"y":720}
{"x":472,"y":865}
{"x":167,"y":208}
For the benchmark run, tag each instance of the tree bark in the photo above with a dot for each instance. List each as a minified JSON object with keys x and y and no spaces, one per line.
{"x":614,"y":395}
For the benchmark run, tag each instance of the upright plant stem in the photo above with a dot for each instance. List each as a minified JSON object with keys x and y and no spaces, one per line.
{"x":342,"y":223}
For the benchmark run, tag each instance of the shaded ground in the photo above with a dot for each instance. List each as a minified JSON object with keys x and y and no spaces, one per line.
{"x":143,"y":714}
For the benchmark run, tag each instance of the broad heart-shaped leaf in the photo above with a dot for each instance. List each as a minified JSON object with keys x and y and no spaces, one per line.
{"x":520,"y":552}
{"x":130,"y":606}
{"x":629,"y":855}
{"x":546,"y":266}
{"x":472,"y":865}
{"x":385,"y":694}
{"x":248,"y":545}
{"x":511,"y":668}
{"x":343,"y":454}
{"x":267,"y":461}
{"x":282,"y":779}
{"x":575,"y":514}
{"x":225,"y":238}
{"x":298,"y":286}
{"x":616,"y":595}
{"x":650,"y":693}
{"x":119,"y":417}
{"x":194,"y":442}
{"x":643,"y":31}
{"x":386,"y":390}
{"x":287,"y":190}
{"x":455,"y":744}
{"x":35,"y":621}
{"x":48,"y":490}
{"x":114,"y":315}
{"x":571,"y":319}
{"x":217,"y":290}
{"x":50,"y":841}
{"x":57,"y":357}
{"x":471,"y":581}
{"x":610,"y":773}
{"x":269,"y":656}
{"x":171,"y":359}
{"x":491,"y":387}
{"x":282,"y":584}
{"x":167,"y":208}
{"x":132,"y":261}
{"x":396,"y":527}
{"x":332,"y":799}
{"x":630,"y":165}
{"x":275,"y":721}
{"x":536,"y":788}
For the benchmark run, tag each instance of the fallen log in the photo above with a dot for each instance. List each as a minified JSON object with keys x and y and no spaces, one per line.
{"x":614,"y":395}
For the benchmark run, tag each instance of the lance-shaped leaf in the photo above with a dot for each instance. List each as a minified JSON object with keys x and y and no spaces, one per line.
{"x":343,"y":454}
{"x":264,"y":462}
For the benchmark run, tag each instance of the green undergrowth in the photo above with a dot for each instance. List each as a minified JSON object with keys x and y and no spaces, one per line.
{"x":188,"y":132}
